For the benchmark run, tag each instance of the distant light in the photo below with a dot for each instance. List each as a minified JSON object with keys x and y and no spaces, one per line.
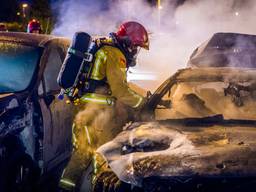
{"x":160,"y":7}
{"x":141,"y":77}
{"x":237,"y":13}
{"x":236,"y":50}
{"x":24,"y":5}
{"x":18,"y":13}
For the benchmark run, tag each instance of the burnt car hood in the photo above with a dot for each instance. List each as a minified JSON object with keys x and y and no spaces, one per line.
{"x":166,"y":149}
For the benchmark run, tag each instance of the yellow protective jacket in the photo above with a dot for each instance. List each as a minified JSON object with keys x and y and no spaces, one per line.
{"x":110,"y":66}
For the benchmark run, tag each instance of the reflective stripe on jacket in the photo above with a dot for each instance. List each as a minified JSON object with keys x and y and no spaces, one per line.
{"x":110,"y":64}
{"x":97,"y":98}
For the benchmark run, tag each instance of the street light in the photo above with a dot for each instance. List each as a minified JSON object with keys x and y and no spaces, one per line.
{"x":159,"y":7}
{"x":24,"y":6}
{"x":159,"y":4}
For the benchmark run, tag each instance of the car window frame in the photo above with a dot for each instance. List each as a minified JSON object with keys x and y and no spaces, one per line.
{"x":61,"y":49}
{"x":155,"y":98}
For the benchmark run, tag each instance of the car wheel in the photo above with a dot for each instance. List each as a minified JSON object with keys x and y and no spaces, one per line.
{"x":21,"y":173}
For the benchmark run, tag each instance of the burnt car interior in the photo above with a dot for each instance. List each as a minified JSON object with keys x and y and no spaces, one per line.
{"x":233,"y":97}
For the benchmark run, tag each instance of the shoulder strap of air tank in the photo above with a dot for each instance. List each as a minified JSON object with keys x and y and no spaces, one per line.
{"x":98,"y":44}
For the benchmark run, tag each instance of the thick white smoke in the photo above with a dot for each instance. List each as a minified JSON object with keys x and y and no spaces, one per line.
{"x":175,"y":32}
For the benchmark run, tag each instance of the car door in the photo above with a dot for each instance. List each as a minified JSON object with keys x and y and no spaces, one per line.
{"x":57,"y":115}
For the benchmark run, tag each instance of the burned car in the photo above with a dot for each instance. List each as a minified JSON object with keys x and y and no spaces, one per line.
{"x":197,"y":133}
{"x":35,"y":127}
{"x":225,"y":50}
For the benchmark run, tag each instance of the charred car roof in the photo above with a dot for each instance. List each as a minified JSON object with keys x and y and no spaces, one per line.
{"x":37,"y":40}
{"x":225,"y":73}
{"x":225,"y":50}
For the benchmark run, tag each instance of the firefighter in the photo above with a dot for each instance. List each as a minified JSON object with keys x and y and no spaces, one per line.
{"x":34,"y":26}
{"x":108,"y":106}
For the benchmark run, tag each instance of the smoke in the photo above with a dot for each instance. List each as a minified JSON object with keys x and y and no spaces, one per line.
{"x":175,"y":31}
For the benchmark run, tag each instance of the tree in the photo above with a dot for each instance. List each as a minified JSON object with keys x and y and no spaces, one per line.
{"x":8,"y":11}
{"x":41,"y":10}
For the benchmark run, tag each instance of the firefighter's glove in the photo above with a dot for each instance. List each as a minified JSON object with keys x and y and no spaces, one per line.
{"x":141,"y":113}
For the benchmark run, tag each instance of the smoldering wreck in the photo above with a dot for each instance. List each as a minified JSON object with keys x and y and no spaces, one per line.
{"x":198,"y":129}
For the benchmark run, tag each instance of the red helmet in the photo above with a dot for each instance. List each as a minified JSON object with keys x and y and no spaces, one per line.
{"x":34,"y":26}
{"x":136,"y":33}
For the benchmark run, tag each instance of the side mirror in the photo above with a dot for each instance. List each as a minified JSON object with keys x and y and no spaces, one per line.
{"x":48,"y":99}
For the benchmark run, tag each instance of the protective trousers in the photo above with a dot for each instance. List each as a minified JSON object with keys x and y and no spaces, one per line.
{"x":94,"y":126}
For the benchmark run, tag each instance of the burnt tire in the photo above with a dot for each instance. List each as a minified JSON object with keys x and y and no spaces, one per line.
{"x":21,"y":174}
